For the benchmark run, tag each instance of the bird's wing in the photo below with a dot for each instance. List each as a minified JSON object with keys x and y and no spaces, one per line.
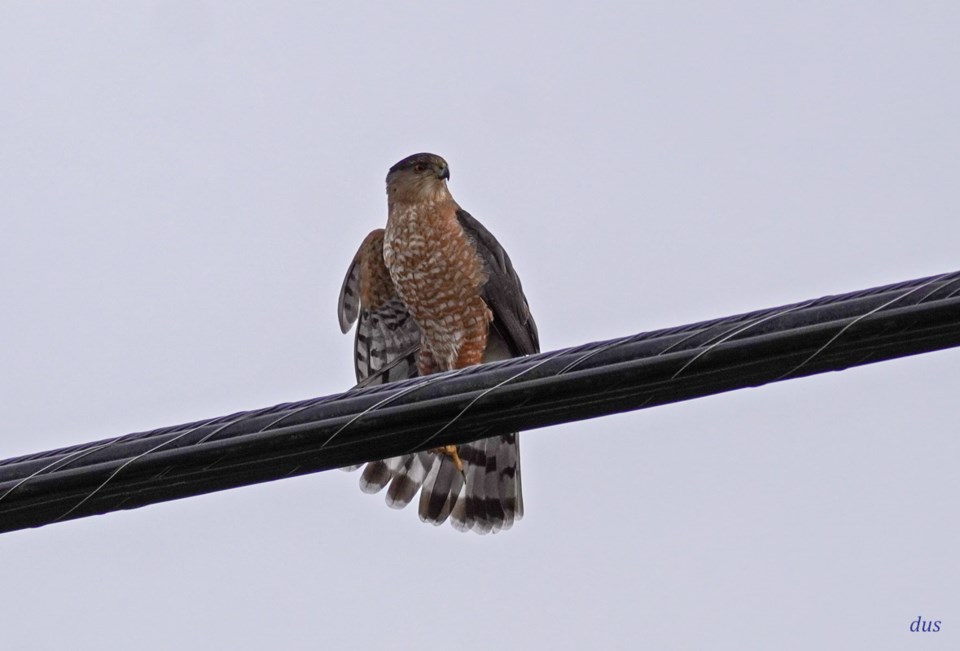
{"x":387,"y":339}
{"x":385,"y":350}
{"x":503,"y":293}
{"x":348,"y":305}
{"x":386,"y":345}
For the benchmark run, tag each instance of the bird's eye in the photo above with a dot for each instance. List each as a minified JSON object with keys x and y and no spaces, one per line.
{"x":420,"y":168}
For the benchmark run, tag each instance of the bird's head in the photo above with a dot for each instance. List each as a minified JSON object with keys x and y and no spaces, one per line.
{"x":421,"y":177}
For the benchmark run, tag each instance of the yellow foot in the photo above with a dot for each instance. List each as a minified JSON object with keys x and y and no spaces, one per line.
{"x":451,"y":451}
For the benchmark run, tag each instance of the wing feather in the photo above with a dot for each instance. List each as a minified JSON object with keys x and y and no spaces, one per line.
{"x":503,"y":291}
{"x":348,"y":305}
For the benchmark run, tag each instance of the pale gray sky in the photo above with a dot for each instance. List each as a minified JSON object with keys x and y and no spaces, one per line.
{"x":182,"y":185}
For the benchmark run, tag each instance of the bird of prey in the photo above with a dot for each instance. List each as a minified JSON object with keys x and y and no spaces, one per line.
{"x":435,"y":291}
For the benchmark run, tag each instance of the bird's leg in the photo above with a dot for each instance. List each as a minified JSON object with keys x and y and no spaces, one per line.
{"x":427,"y":364}
{"x":451,"y":451}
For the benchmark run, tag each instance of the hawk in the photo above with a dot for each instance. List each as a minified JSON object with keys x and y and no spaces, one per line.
{"x":435,"y":291}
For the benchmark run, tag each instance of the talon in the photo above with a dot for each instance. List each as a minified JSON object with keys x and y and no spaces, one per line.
{"x":451,"y":451}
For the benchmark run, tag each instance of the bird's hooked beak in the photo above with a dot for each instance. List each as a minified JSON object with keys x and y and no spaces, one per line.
{"x":443,"y":172}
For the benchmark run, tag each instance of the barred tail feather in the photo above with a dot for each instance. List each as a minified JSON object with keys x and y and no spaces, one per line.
{"x":508,"y":475}
{"x":408,"y":479}
{"x":441,"y":491}
{"x":491,"y":497}
{"x":378,"y":474}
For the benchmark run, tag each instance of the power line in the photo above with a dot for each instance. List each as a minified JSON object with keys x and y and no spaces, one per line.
{"x":596,"y":379}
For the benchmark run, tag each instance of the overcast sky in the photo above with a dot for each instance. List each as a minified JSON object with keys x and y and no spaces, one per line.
{"x":183,"y":184}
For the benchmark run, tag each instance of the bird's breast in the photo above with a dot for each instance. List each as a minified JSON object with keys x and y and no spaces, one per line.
{"x":437,"y":273}
{"x":431,"y":261}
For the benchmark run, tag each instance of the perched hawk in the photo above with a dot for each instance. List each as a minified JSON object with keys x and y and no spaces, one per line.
{"x":435,"y":291}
